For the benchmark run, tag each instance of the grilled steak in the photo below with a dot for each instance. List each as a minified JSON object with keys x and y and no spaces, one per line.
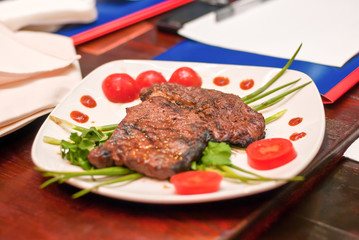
{"x":171,"y":127}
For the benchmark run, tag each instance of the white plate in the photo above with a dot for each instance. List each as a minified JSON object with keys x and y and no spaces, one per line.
{"x":305,"y":103}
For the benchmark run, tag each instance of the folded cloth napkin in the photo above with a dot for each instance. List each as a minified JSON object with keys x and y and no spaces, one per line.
{"x":36,"y":71}
{"x":46,"y":14}
{"x":29,"y":54}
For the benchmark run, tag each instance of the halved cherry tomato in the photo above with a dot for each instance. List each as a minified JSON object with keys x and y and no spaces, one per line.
{"x":196,"y":182}
{"x":147,"y":78}
{"x":120,"y":88}
{"x":270,"y":153}
{"x":186,"y":76}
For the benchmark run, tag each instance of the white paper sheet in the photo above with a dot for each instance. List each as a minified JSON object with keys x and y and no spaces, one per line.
{"x":353,"y":151}
{"x":328,"y":29}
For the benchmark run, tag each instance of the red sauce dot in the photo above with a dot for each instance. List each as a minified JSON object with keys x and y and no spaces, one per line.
{"x":79,"y":116}
{"x":296,"y":136}
{"x":221,"y":81}
{"x":246,"y":84}
{"x":88,"y":101}
{"x":295,"y":121}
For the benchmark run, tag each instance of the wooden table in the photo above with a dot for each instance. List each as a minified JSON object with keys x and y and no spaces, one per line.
{"x":325,"y":206}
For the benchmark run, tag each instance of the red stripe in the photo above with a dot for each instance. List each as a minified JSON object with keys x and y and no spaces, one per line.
{"x":127,"y":20}
{"x":344,"y":85}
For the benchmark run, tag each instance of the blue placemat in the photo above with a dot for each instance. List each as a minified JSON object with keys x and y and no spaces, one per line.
{"x":107,"y":12}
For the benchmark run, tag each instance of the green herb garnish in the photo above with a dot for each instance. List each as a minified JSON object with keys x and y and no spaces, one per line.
{"x":269,"y":92}
{"x":80,"y":143}
{"x":216,"y":157}
{"x":278,"y":98}
{"x":273,"y":80}
{"x":275,"y":116}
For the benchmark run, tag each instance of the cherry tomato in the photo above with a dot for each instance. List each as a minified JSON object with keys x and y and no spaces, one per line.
{"x":120,"y":88}
{"x":186,"y":76}
{"x":196,"y":182}
{"x":147,"y":78}
{"x":270,"y":153}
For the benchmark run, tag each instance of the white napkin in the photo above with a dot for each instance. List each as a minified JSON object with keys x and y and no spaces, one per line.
{"x":29,"y":54}
{"x":47,"y":14}
{"x":353,"y":151}
{"x":328,"y":30}
{"x":35,"y":79}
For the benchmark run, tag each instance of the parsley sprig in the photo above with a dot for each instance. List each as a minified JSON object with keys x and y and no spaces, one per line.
{"x":76,"y":149}
{"x":81,"y":142}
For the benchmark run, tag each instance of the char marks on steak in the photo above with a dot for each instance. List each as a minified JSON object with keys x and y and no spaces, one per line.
{"x":171,"y":127}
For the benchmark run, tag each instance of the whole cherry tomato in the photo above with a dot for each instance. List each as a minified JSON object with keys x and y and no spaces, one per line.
{"x":120,"y":88}
{"x":186,"y":76}
{"x":147,"y":78}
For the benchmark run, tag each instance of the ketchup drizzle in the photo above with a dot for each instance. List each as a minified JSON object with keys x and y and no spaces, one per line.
{"x":88,"y":101}
{"x":296,"y":136}
{"x":246,"y":84}
{"x":295,"y":121}
{"x":221,"y":81}
{"x":79,"y":116}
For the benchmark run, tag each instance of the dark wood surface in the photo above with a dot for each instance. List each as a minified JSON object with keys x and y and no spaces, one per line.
{"x":325,"y":206}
